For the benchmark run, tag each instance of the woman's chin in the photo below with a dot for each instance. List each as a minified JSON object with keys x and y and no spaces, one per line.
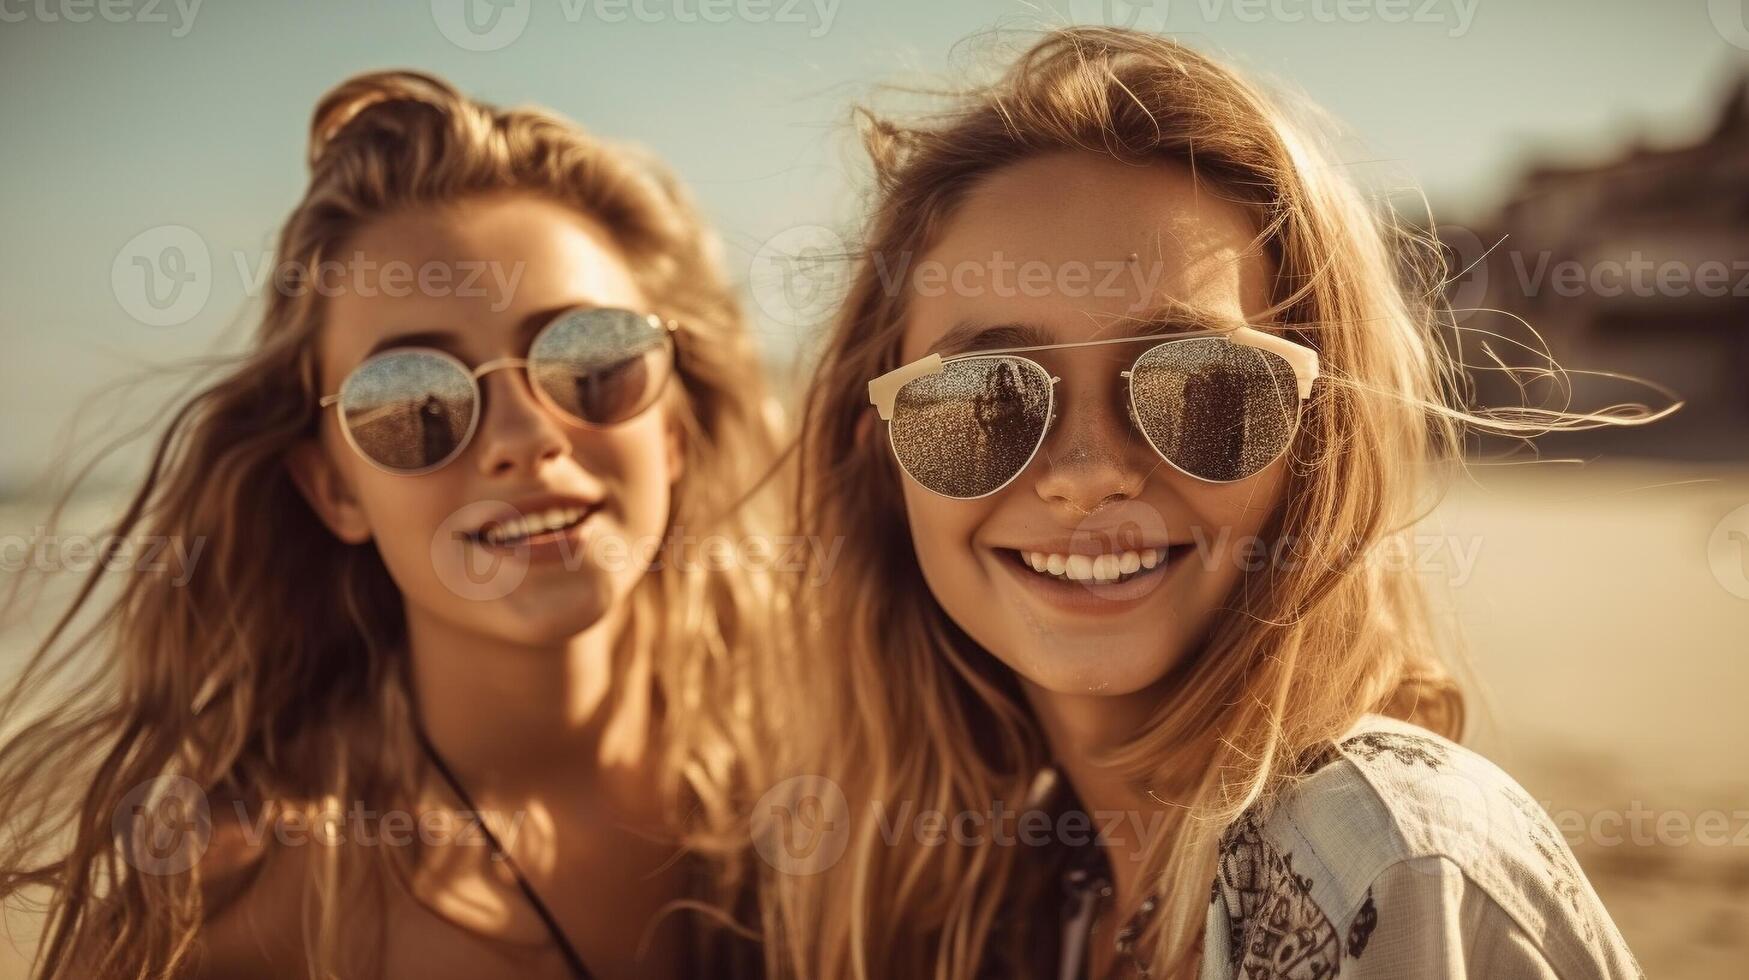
{"x":1105,"y":668}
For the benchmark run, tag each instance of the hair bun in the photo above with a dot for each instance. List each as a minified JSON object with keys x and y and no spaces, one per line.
{"x":348,"y":100}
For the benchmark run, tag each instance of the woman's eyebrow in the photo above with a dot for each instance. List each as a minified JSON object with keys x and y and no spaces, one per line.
{"x":443,"y":340}
{"x":969,"y":336}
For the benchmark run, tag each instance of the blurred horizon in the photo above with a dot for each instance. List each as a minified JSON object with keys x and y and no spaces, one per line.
{"x":1565,"y":148}
{"x":194,"y":116}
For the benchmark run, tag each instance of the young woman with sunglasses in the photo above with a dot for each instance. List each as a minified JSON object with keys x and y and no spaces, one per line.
{"x":1129,"y":392}
{"x":429,"y":591}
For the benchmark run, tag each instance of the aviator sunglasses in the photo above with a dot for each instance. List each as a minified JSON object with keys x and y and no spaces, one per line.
{"x":1217,"y":405}
{"x":411,"y":410}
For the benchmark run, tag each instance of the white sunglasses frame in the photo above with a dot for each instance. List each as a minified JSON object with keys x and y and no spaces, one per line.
{"x":883,"y":391}
{"x":668,"y":327}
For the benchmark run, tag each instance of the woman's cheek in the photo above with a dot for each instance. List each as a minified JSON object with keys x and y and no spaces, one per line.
{"x":408,"y":530}
{"x":640,"y":472}
{"x":943,"y":536}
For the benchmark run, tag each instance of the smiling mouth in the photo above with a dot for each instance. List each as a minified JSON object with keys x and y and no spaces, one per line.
{"x":1108,"y":569}
{"x":530,"y":528}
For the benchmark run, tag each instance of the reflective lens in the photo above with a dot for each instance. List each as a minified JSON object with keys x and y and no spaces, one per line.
{"x":969,"y":430}
{"x":409,"y":411}
{"x":1217,"y":410}
{"x":601,"y":366}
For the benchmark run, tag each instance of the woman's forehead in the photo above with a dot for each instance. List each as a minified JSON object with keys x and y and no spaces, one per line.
{"x":1074,"y":242}
{"x":477,"y":271}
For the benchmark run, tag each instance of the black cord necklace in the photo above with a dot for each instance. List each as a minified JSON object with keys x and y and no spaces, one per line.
{"x":572,"y":959}
{"x":1089,"y":887}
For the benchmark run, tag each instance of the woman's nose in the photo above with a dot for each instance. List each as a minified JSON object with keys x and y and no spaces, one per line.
{"x":517,"y":430}
{"x":1093,"y":456}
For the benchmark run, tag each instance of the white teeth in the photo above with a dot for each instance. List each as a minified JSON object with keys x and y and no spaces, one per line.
{"x":1092,"y":568}
{"x":528,"y":525}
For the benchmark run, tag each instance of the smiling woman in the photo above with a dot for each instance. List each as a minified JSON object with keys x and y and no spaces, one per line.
{"x":428,"y":593}
{"x":1073,"y":628}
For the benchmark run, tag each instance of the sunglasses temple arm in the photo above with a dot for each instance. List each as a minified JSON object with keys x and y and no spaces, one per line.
{"x":1301,"y":358}
{"x":884,"y":390}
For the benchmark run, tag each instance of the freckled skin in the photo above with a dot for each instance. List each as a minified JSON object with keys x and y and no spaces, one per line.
{"x":525,"y":684}
{"x":560,"y":258}
{"x":1193,"y":246}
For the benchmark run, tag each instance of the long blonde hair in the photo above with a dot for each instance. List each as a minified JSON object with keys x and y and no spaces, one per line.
{"x":276,"y":671}
{"x":906,"y":709}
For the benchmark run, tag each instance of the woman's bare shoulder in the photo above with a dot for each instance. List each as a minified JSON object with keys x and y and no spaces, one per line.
{"x":251,"y":892}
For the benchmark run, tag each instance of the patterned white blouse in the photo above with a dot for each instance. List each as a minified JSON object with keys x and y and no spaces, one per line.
{"x":1404,"y":855}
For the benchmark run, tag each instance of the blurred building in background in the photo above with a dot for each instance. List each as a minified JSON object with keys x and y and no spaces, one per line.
{"x":1638,"y":266}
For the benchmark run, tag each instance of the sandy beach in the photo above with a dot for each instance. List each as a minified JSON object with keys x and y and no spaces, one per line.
{"x":1608,"y":659}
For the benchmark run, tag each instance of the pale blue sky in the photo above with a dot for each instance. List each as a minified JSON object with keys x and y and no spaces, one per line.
{"x":113,"y":128}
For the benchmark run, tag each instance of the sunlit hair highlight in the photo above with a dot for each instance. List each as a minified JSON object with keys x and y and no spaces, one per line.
{"x":907,"y":711}
{"x":278,"y":671}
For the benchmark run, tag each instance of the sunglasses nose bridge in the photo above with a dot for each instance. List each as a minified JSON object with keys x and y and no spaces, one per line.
{"x":1091,"y":451}
{"x":499,"y":364}
{"x":517,"y":431}
{"x":1093,"y":397}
